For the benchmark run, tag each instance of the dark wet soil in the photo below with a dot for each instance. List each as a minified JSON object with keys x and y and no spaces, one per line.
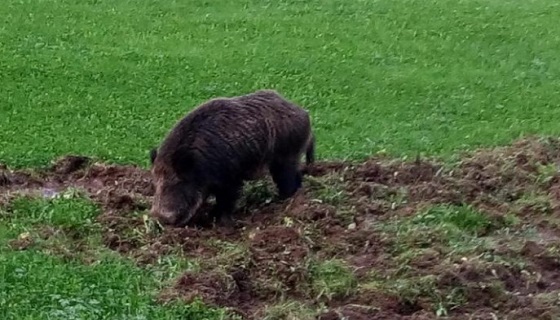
{"x":340,"y":214}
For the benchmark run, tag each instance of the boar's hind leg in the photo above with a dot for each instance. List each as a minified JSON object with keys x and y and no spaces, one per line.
{"x":286,"y":176}
{"x":226,"y":198}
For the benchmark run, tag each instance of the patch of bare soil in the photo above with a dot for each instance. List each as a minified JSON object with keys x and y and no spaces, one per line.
{"x":340,"y":214}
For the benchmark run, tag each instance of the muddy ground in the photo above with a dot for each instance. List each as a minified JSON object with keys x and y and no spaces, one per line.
{"x":360,"y":241}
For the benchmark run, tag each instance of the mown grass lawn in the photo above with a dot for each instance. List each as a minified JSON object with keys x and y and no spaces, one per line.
{"x":108,"y":79}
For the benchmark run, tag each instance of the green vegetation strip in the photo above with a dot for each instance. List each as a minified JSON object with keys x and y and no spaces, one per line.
{"x":58,"y":277}
{"x":109,"y":79}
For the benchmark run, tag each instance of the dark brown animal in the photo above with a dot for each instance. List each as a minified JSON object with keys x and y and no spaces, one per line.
{"x":223,"y":143}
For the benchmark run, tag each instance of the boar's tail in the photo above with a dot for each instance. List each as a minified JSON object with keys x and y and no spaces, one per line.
{"x":310,"y":151}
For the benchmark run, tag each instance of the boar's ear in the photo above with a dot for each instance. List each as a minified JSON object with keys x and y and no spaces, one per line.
{"x":153,"y":155}
{"x":183,"y":160}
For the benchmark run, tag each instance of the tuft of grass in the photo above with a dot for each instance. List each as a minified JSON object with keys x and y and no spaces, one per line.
{"x":230,"y":255}
{"x":549,"y":300}
{"x":259,"y":191}
{"x":290,"y":310}
{"x":451,"y":229}
{"x":328,"y":189}
{"x":466,"y":218}
{"x":398,"y":197}
{"x":410,"y":290}
{"x":332,"y":279}
{"x":169,"y":266}
{"x":534,"y":201}
{"x":546,"y":173}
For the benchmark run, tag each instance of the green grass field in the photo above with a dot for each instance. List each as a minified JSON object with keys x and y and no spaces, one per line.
{"x":109,"y":78}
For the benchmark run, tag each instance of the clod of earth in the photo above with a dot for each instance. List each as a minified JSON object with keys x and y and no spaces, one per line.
{"x":379,"y":239}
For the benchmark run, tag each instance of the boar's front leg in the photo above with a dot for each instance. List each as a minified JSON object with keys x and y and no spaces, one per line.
{"x":287,"y":177}
{"x":226,"y":199}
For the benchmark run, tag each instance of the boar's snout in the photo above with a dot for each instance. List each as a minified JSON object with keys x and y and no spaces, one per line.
{"x":164,"y":217}
{"x":175,"y":201}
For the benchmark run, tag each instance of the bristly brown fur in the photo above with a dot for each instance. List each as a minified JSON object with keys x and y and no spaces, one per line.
{"x":224,"y":142}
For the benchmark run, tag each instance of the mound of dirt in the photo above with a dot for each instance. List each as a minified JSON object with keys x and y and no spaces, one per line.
{"x":357,"y":217}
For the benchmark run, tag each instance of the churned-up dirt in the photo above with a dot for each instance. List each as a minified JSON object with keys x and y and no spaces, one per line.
{"x":380,"y":239}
